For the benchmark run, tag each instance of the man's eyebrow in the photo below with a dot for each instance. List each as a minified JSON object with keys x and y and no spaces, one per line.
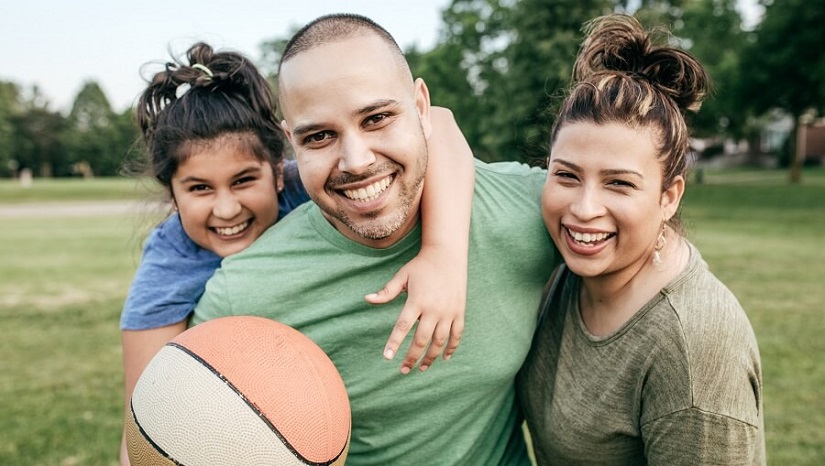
{"x":310,"y":128}
{"x":379,"y":104}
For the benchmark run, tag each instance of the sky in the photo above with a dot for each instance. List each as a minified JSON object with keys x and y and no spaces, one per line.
{"x":60,"y":45}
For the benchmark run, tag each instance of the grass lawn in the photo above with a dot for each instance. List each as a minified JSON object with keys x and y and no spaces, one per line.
{"x":63,"y":281}
{"x":75,"y":189}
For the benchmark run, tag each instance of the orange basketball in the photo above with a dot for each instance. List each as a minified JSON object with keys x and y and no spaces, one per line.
{"x":239,"y":390}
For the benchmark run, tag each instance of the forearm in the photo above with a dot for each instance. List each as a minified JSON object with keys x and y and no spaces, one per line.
{"x":139,"y":347}
{"x":448,"y":188}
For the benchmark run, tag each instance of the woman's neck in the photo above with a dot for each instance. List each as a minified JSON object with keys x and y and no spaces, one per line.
{"x":607,"y":302}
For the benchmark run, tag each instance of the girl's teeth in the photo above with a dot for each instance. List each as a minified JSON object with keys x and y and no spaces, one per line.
{"x":233,"y":230}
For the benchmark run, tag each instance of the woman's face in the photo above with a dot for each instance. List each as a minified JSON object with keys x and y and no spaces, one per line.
{"x":226,"y":197}
{"x":603,"y":202}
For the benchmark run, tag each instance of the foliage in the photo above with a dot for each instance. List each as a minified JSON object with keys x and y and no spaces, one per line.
{"x":784,"y":65}
{"x":91,"y":140}
{"x":787,"y":57}
{"x":502,"y":66}
{"x":705,"y":24}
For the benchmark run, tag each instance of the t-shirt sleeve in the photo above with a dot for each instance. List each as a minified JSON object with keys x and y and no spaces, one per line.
{"x":215,"y":301}
{"x":170,"y":279}
{"x":692,"y":436}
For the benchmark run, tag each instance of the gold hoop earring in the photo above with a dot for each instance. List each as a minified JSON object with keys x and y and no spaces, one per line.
{"x":661,"y":241}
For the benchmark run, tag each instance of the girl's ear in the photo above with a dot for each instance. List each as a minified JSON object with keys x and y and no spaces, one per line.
{"x":672,"y":197}
{"x":279,"y":179}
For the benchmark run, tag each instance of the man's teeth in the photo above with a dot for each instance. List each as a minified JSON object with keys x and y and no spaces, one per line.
{"x":232,"y":230}
{"x":370,"y":192}
{"x":588,"y":237}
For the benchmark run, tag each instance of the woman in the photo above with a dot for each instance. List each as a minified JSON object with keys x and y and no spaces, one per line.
{"x":642,"y":355}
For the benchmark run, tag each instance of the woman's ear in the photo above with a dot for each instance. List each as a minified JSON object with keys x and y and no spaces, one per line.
{"x":672,"y":197}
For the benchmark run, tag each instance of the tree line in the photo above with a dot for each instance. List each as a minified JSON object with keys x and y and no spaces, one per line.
{"x":501,"y":66}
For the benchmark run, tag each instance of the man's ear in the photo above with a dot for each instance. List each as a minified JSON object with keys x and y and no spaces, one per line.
{"x":422,"y":104}
{"x":287,"y":131}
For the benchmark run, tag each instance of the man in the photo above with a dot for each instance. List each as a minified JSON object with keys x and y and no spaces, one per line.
{"x":359,"y":123}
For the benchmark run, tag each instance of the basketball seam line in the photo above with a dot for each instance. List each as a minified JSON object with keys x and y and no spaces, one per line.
{"x":254,"y":407}
{"x":149,"y":439}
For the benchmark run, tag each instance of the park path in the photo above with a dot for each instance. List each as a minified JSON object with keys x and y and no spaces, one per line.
{"x":75,"y":209}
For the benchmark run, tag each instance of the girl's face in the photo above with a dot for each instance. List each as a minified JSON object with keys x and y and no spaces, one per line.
{"x":226,"y":197}
{"x":603,"y":202}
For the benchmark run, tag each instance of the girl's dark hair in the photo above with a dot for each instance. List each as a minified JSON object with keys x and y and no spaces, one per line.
{"x":620,"y":76}
{"x":210,"y":95}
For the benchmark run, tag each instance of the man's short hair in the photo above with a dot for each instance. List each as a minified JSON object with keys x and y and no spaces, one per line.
{"x":334,"y":27}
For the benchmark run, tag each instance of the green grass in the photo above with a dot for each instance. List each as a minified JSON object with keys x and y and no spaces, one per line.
{"x":63,"y":281}
{"x":763,"y":239}
{"x":75,"y":189}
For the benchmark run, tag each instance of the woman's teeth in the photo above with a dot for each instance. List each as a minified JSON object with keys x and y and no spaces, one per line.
{"x":588,"y":238}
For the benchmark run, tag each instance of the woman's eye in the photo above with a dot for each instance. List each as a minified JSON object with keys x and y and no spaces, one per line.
{"x":622,"y":183}
{"x":198,"y":187}
{"x":566,"y":175}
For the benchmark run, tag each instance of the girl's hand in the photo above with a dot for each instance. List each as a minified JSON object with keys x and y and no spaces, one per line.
{"x":437,"y":291}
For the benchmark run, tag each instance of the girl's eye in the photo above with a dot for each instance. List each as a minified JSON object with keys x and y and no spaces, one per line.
{"x":245,"y":179}
{"x":198,"y":187}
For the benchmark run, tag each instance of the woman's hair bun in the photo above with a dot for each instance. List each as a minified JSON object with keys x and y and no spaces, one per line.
{"x":618,"y":44}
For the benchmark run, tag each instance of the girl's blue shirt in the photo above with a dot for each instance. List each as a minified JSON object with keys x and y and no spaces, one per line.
{"x":173,"y":270}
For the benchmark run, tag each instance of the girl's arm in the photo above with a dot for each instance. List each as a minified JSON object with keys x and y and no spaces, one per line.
{"x":436,"y":279}
{"x":139,"y":347}
{"x":172,"y":275}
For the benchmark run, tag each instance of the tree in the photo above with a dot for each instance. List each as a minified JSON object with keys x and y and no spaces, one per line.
{"x":97,"y":139}
{"x":711,"y":30}
{"x":784,"y":66}
{"x":9,"y":107}
{"x":38,"y":141}
{"x":501,"y":64}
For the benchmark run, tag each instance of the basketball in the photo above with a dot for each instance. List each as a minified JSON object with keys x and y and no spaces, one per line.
{"x":239,"y":390}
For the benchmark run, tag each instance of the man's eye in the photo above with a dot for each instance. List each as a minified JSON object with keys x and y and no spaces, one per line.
{"x":317,"y":137}
{"x":375,"y":119}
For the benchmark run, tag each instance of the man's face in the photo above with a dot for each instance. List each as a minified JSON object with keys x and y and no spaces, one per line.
{"x":358,"y":125}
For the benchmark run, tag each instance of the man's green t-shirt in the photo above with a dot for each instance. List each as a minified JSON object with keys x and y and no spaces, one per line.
{"x":304,"y":273}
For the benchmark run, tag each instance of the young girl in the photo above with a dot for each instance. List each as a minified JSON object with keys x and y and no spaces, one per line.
{"x":215,"y":145}
{"x":642,"y":356}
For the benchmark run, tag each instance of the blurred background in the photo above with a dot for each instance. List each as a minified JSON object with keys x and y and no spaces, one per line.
{"x":499,"y":64}
{"x":72,"y":228}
